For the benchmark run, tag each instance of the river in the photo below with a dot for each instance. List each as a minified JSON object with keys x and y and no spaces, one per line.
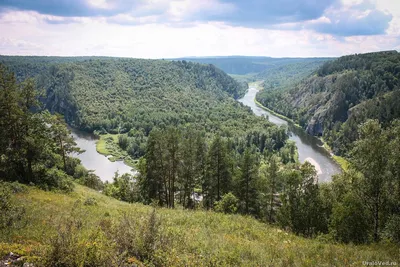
{"x":309,"y":147}
{"x":92,"y":160}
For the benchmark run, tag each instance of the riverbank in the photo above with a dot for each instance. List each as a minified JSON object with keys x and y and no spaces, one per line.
{"x":108,"y":146}
{"x":277,"y":114}
{"x":342,"y":162}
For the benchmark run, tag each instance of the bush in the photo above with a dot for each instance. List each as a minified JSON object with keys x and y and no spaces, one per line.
{"x":228,"y":204}
{"x":16,"y":187}
{"x":124,"y":188}
{"x":71,"y":247}
{"x":93,"y":181}
{"x":56,"y":179}
{"x":392,"y":229}
{"x":140,"y":240}
{"x":80,"y":172}
{"x":123,"y":141}
{"x":349,"y":221}
{"x":90,"y":202}
{"x":10,"y":213}
{"x":72,"y":165}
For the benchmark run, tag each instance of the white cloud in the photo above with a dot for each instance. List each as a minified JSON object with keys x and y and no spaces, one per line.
{"x":392,"y":7}
{"x":28,"y":33}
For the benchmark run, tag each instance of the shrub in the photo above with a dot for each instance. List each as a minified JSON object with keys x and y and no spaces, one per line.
{"x":139,"y":239}
{"x":80,"y":172}
{"x":349,"y":221}
{"x":71,"y":246}
{"x":10,"y":213}
{"x":93,"y":181}
{"x":56,"y":179}
{"x":227,"y":204}
{"x":16,"y":187}
{"x":392,"y":229}
{"x":123,"y":141}
{"x":90,"y":202}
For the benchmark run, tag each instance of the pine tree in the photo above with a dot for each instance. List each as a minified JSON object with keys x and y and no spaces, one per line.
{"x":64,"y":141}
{"x":270,"y":186}
{"x":248,"y":182}
{"x":219,"y":177}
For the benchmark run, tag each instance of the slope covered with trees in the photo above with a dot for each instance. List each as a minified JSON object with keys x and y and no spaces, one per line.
{"x":343,"y":93}
{"x":133,"y":96}
{"x":35,"y":146}
{"x":241,"y":65}
{"x":284,"y":75}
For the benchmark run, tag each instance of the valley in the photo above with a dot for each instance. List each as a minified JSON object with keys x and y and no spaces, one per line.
{"x":163,"y":154}
{"x":199,"y":133}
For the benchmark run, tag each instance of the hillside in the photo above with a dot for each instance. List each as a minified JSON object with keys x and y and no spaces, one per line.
{"x":114,"y":95}
{"x":76,"y":228}
{"x":241,"y":65}
{"x":343,"y":93}
{"x":284,"y":75}
{"x":94,"y":93}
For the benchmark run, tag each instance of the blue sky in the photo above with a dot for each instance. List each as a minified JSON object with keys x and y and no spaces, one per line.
{"x":177,"y":28}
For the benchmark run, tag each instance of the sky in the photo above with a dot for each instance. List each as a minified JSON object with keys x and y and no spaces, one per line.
{"x":182,"y":28}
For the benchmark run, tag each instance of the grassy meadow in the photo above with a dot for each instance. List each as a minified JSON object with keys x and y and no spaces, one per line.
{"x":87,"y":228}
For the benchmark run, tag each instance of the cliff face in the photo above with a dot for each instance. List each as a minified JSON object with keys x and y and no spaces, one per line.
{"x":315,"y":127}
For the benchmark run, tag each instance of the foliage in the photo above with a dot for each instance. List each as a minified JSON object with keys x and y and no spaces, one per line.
{"x":301,"y":203}
{"x":227,"y":204}
{"x":124,"y":187}
{"x":344,"y":93}
{"x":281,"y":76}
{"x":35,"y":146}
{"x":366,"y":197}
{"x":11,"y":213}
{"x":248,"y":183}
{"x":392,"y":229}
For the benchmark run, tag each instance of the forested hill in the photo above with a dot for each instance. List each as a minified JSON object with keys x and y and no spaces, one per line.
{"x":341,"y":95}
{"x":284,"y":75}
{"x":30,"y":66}
{"x":111,"y":93}
{"x":242,"y":65}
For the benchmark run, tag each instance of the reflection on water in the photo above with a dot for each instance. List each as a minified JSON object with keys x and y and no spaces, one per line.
{"x":92,"y":160}
{"x":309,"y":147}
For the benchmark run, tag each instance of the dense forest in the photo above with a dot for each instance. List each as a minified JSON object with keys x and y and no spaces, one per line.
{"x":36,"y":146}
{"x":132,"y":96}
{"x":341,"y":95}
{"x":284,"y":75}
{"x":251,"y":66}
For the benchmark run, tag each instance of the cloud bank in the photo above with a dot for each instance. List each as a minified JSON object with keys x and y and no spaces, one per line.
{"x":299,"y":26}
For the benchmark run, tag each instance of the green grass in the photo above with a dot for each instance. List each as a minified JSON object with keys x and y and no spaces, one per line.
{"x":195,"y":238}
{"x":108,"y":145}
{"x":343,"y":163}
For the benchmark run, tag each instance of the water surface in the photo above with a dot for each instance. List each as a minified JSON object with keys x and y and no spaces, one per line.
{"x":92,"y":160}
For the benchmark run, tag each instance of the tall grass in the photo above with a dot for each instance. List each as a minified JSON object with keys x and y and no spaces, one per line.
{"x":62,"y":231}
